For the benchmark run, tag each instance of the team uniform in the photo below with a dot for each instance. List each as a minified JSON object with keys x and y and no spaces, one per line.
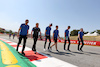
{"x":35,"y":37}
{"x":56,"y":32}
{"x":48,"y":29}
{"x":23,"y":35}
{"x":67,"y":39}
{"x":13,"y":36}
{"x":81,"y":37}
{"x":9,"y":35}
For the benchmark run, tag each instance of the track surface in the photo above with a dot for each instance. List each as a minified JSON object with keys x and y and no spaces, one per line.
{"x":89,"y":58}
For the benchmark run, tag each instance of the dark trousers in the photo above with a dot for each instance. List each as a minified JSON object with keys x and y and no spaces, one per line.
{"x":34,"y":44}
{"x":80,"y":48}
{"x":13,"y":37}
{"x":24,"y":42}
{"x":9,"y":36}
{"x":68,"y":44}
{"x":47,"y":37}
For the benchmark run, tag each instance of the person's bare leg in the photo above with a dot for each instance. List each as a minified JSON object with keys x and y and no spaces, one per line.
{"x":53,"y":44}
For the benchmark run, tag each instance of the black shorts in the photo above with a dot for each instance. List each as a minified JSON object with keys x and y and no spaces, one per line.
{"x":55,"y":40}
{"x":23,"y":36}
{"x":35,"y":36}
{"x":48,"y":37}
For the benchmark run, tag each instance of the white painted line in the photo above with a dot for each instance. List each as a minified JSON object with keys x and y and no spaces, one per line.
{"x":52,"y":62}
{"x":7,"y":41}
{"x":2,"y":39}
{"x":20,"y":49}
{"x":12,"y":43}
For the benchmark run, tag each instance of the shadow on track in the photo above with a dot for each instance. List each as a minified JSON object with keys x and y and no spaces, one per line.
{"x":92,"y":53}
{"x":61,"y":53}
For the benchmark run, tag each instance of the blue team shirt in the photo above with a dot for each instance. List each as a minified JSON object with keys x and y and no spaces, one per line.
{"x":56,"y":32}
{"x":9,"y":34}
{"x":24,"y":29}
{"x":13,"y":34}
{"x":67,"y":33}
{"x":81,"y":34}
{"x":48,"y":30}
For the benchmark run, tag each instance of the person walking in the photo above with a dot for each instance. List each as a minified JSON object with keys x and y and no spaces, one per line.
{"x":67,"y":38}
{"x":80,"y":39}
{"x":35,"y":31}
{"x":22,"y":34}
{"x":9,"y":35}
{"x":55,"y":36}
{"x":13,"y":35}
{"x":47,"y":35}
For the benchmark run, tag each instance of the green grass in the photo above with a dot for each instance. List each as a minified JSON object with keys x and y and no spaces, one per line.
{"x":22,"y":60}
{"x":90,"y":38}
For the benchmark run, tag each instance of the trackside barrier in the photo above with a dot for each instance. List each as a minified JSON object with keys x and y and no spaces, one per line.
{"x":92,"y":43}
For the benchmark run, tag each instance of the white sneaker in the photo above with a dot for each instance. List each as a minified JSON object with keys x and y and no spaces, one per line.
{"x":35,"y":52}
{"x":44,"y":49}
{"x":64,"y":50}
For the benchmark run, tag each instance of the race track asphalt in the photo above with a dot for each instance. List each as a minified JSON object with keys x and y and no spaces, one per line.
{"x":89,"y":58}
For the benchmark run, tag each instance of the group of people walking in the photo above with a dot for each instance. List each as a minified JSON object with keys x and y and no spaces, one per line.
{"x":23,"y":34}
{"x":11,"y":34}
